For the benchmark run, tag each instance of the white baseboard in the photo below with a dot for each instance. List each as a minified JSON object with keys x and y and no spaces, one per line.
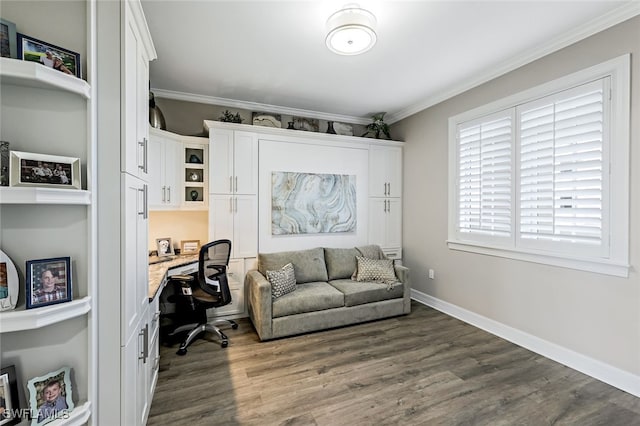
{"x":606,"y":373}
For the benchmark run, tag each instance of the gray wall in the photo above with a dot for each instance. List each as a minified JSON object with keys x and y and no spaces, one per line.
{"x":186,"y":118}
{"x":595,"y":315}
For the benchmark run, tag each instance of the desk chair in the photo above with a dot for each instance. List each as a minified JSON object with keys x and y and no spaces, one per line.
{"x":202,"y":290}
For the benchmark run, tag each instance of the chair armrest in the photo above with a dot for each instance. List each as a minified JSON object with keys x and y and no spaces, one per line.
{"x":402,"y":272}
{"x":260,"y":303}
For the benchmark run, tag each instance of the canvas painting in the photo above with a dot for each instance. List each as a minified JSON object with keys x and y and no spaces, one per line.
{"x":311,"y":203}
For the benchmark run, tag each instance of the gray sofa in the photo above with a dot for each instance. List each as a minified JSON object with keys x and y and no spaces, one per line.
{"x":325,"y":295}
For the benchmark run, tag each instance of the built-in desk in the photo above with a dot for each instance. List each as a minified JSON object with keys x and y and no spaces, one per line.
{"x":159,"y":270}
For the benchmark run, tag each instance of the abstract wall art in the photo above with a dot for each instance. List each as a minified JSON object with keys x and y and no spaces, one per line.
{"x":312,"y":203}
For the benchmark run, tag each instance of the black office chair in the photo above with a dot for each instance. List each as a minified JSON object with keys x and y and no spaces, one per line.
{"x":194,"y":294}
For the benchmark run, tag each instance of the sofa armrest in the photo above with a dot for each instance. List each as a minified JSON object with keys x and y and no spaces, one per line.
{"x":260,"y":303}
{"x":402,"y":272}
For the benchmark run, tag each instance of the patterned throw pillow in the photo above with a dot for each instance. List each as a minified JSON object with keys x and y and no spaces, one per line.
{"x":375,"y":270}
{"x":282,"y":281}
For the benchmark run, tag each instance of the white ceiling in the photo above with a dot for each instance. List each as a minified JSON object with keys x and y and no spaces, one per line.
{"x":271,"y":55}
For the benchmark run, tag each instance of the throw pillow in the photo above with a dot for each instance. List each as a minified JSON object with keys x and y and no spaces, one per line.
{"x":380,"y":270}
{"x":282,"y":281}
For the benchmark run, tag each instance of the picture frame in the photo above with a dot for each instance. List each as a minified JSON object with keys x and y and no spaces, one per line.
{"x":164,"y":247}
{"x":9,"y":284}
{"x":48,"y":282}
{"x":9,"y":401}
{"x":189,"y":247}
{"x":33,"y":50}
{"x":51,"y":396}
{"x":31,"y":169}
{"x":8,"y":40}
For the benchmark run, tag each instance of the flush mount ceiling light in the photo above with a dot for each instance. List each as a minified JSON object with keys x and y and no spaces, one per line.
{"x":351,"y":30}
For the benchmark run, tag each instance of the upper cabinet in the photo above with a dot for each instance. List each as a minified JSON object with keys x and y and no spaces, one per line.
{"x":135,"y":94}
{"x":385,"y":171}
{"x":164,"y":161}
{"x":234,"y":161}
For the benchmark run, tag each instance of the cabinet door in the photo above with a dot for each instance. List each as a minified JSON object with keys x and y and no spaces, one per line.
{"x":235,"y":276}
{"x":172,"y":160}
{"x":134,"y":159}
{"x":245,"y":163}
{"x":221,"y":211}
{"x":245,"y":226}
{"x":393,"y":237}
{"x":221,"y":161}
{"x":157,"y":190}
{"x":377,"y":221}
{"x":134,"y":257}
{"x":134,"y":378}
{"x":385,"y":171}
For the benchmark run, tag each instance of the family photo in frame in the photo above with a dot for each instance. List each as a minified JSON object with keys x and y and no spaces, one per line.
{"x":51,"y":396}
{"x":31,"y":169}
{"x":8,"y":37}
{"x":48,"y":282}
{"x":49,"y":55}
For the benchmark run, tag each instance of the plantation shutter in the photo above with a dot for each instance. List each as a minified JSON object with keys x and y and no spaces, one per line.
{"x":561,"y":144}
{"x":484,"y":180}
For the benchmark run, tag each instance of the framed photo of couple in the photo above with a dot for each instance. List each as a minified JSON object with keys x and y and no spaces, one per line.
{"x":51,"y":56}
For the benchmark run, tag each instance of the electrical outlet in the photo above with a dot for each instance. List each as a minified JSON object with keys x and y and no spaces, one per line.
{"x":432,"y":274}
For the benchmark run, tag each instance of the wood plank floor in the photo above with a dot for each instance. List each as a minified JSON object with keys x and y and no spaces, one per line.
{"x":425,"y":368}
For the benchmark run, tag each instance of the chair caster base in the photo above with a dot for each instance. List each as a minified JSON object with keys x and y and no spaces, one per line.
{"x":223,"y":344}
{"x":181,"y":351}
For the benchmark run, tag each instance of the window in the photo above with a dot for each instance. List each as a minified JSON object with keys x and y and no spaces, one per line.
{"x":543,"y":175}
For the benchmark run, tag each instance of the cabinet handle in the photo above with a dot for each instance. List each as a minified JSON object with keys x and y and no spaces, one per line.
{"x":164,"y":194}
{"x":389,"y":186}
{"x":230,"y":183}
{"x":168,"y":194}
{"x":145,"y":148}
{"x":145,"y":209}
{"x":388,"y":206}
{"x":144,"y":333}
{"x":236,"y":186}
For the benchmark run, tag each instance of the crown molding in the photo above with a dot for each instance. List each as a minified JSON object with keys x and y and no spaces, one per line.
{"x":255,"y":106}
{"x":614,"y":17}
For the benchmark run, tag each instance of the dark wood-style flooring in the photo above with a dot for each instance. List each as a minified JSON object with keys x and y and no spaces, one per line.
{"x":422,"y":369}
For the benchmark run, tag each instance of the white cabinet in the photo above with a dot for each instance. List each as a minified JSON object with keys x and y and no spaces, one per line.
{"x":385,"y":202}
{"x":235,"y":275}
{"x":164,"y":170}
{"x":234,"y":161}
{"x":48,"y":112}
{"x":134,"y":257}
{"x":385,"y":171}
{"x":385,"y":225}
{"x":235,"y":217}
{"x":123,"y":50}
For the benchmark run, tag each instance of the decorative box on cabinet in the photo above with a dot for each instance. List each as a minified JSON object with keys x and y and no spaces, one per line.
{"x":41,"y":222}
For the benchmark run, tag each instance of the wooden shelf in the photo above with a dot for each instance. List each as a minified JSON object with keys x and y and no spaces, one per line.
{"x":32,"y":74}
{"x":38,"y":195}
{"x":29,"y":319}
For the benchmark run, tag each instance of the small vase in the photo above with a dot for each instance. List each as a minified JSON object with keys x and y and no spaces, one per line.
{"x":194,"y":195}
{"x":330,"y":128}
{"x":291,"y":126}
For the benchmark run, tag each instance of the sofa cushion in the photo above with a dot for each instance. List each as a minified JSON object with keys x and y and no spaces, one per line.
{"x":283,"y":281}
{"x":341,"y":263}
{"x":380,"y":270}
{"x":309,"y":297}
{"x":361,"y":292}
{"x":308,"y":264}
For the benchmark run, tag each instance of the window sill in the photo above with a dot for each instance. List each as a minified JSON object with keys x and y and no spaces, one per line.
{"x":605,"y":267}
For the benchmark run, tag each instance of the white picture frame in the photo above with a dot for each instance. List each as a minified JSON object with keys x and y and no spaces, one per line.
{"x":60,"y":381}
{"x":9,"y":283}
{"x":44,"y":170}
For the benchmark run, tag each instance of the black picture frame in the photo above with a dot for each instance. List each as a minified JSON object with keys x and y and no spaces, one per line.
{"x":34,"y":50}
{"x":8,"y":39}
{"x":9,"y":400}
{"x":48,"y":282}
